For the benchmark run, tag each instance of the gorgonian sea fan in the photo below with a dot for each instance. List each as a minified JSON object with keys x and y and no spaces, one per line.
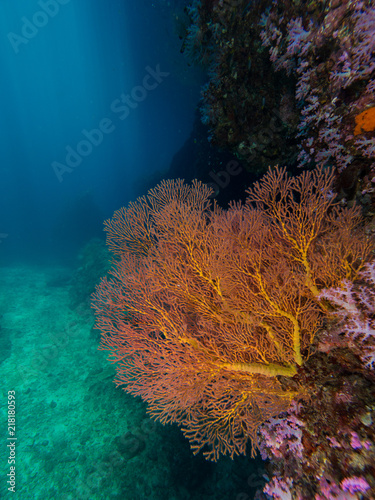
{"x":205,"y":309}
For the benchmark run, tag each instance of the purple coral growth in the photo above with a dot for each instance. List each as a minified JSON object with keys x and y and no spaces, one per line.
{"x":282,"y":435}
{"x":355,"y":484}
{"x":279,"y":489}
{"x":355,"y":303}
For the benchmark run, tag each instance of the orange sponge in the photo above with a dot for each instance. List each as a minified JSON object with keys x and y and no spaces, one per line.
{"x":365,"y":121}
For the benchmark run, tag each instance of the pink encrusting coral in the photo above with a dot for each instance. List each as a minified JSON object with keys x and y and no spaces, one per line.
{"x":355,"y":484}
{"x":355,"y":314}
{"x":283,"y":435}
{"x":279,"y":489}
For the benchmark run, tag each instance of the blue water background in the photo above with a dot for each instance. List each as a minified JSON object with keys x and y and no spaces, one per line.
{"x":63,"y":71}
